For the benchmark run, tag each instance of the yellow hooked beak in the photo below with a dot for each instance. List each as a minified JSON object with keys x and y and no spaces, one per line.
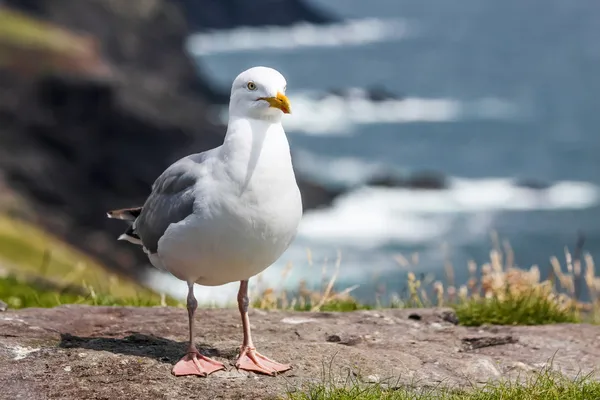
{"x":280,"y":101}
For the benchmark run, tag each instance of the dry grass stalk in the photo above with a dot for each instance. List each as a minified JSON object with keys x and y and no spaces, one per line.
{"x":327,"y":291}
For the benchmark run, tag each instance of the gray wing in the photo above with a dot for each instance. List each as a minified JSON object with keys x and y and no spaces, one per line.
{"x":171,"y":200}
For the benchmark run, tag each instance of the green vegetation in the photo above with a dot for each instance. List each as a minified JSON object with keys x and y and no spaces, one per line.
{"x":21,"y":294}
{"x":337,"y":306}
{"x":31,"y":46}
{"x":526,"y":309}
{"x":33,"y":276}
{"x":23,"y":31}
{"x":546,"y":385}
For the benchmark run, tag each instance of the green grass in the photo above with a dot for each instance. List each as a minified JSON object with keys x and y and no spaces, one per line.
{"x":334,"y":305}
{"x":30,"y":46}
{"x":21,"y":294}
{"x":546,"y":385}
{"x":337,"y":306}
{"x":39,"y":270}
{"x":525,"y":309}
{"x":22,"y":31}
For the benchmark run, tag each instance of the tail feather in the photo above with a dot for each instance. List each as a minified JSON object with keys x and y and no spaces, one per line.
{"x":127,"y":214}
{"x":131,"y":237}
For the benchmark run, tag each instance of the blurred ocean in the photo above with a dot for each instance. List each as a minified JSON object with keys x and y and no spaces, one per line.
{"x":490,"y":92}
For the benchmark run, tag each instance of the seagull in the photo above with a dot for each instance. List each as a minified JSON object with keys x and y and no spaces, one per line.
{"x":226,"y":214}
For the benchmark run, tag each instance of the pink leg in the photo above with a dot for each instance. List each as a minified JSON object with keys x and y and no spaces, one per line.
{"x":250,"y":359}
{"x":194,"y":363}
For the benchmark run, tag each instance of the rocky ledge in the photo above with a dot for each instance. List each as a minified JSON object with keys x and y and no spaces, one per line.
{"x":77,"y":352}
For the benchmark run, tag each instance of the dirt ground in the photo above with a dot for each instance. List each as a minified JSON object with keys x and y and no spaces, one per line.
{"x":82,"y":352}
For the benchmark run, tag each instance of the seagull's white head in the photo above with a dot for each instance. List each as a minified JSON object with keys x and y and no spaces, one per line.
{"x":259,"y":93}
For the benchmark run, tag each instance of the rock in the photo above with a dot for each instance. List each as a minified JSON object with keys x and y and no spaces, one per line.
{"x":472,"y":343}
{"x":347,"y":340}
{"x":533,"y":184}
{"x":423,"y":180}
{"x":374,"y":93}
{"x":386,"y":180}
{"x":315,"y":195}
{"x":334,"y":338}
{"x":450,"y":316}
{"x":416,"y":317}
{"x":429,"y":180}
{"x":226,"y":14}
{"x":482,"y":370}
{"x":74,"y":146}
{"x":519,"y":366}
{"x":129,"y":351}
{"x":380,"y":93}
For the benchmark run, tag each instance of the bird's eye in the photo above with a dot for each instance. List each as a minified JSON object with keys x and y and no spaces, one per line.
{"x":251,"y":85}
{"x":284,"y":88}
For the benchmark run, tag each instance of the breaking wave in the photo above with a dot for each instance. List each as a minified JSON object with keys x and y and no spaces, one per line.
{"x":346,"y":33}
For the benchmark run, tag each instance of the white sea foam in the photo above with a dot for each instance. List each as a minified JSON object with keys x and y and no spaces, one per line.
{"x":345,"y":33}
{"x":376,"y":216}
{"x":336,"y":115}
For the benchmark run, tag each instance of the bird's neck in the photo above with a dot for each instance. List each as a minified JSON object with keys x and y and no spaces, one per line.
{"x":271,"y":115}
{"x":247,"y":134}
{"x":256,"y":149}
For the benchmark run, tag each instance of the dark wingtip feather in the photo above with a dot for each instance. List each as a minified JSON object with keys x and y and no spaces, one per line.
{"x":127,"y":214}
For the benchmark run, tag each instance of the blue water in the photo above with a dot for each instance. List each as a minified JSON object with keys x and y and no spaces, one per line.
{"x":542,"y":57}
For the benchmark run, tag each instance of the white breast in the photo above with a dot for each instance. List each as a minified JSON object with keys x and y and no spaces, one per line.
{"x":247,"y":213}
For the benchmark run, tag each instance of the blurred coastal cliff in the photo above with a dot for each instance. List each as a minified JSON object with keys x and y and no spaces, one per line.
{"x":97,"y":97}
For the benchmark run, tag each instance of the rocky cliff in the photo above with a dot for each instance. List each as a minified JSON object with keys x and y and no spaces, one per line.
{"x":76,"y":144}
